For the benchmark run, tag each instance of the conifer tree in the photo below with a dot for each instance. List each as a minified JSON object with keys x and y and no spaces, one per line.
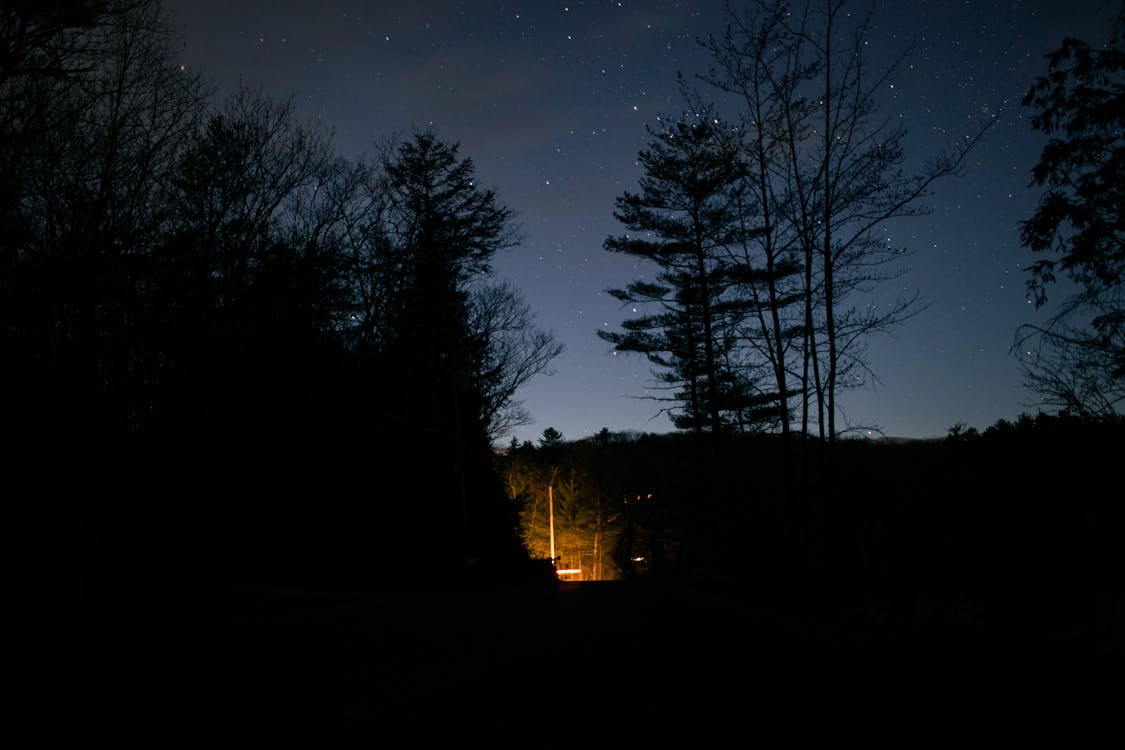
{"x":684,"y":217}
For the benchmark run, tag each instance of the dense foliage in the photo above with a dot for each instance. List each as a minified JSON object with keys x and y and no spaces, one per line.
{"x":1076,"y":361}
{"x":231,"y":355}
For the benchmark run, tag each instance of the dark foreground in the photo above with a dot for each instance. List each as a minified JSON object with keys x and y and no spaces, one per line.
{"x":660,"y":658}
{"x":675,"y":653}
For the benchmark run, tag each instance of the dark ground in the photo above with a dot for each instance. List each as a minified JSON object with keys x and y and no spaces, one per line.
{"x":980,"y":618}
{"x":643,"y":659}
{"x":667,"y":656}
{"x":639,"y":660}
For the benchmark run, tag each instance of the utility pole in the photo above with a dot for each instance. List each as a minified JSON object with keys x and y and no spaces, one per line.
{"x":551,"y":512}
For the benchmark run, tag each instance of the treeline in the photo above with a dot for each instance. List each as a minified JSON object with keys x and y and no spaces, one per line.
{"x":225,"y":346}
{"x":1019,"y":520}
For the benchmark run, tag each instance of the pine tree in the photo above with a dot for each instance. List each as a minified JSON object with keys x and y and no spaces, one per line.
{"x":686,"y":216}
{"x":442,"y":231}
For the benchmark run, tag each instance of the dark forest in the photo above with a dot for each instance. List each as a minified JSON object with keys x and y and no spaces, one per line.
{"x":256,"y":396}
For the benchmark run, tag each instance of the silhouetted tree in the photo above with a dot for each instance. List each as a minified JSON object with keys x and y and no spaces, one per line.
{"x":751,"y":59}
{"x":441,"y":231}
{"x":685,"y":217}
{"x":550,"y":438}
{"x":804,"y":78}
{"x":218,"y":328}
{"x":511,"y":350}
{"x":240,"y":286}
{"x":94,"y":122}
{"x":1076,"y":361}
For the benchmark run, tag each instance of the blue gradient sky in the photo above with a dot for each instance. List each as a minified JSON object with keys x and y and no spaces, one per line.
{"x":551,"y":100}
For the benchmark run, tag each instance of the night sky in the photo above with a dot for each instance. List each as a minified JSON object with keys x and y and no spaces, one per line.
{"x":551,"y":101}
